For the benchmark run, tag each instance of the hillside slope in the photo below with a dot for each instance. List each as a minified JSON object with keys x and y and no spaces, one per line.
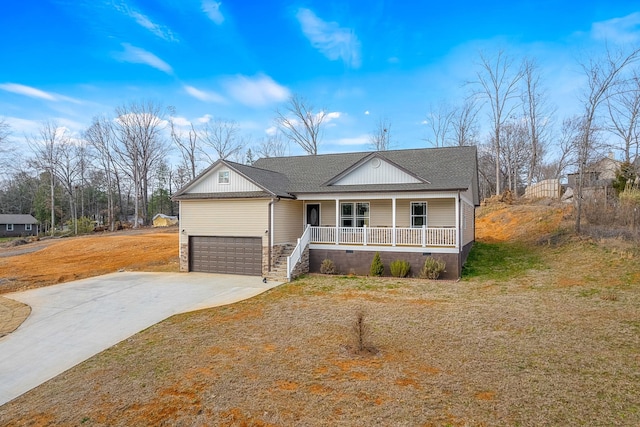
{"x":526,"y":222}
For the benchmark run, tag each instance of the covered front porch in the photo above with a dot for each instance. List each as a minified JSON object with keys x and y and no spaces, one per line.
{"x":349,"y":230}
{"x":391,"y":220}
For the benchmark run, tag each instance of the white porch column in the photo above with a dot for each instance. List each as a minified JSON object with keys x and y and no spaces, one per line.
{"x":458,"y":231}
{"x":337,"y":221}
{"x":393,"y":221}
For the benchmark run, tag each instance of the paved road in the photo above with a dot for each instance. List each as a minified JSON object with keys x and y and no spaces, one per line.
{"x":71,"y":322}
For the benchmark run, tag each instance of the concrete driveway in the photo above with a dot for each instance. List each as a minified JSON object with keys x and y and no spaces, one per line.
{"x":71,"y":322}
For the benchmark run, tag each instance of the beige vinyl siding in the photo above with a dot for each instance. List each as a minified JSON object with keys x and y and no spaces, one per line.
{"x":403,"y":212}
{"x":288,"y":220}
{"x":441,"y":213}
{"x":380,"y":213}
{"x":209,"y":183}
{"x":468,"y":232}
{"x":327,"y":213}
{"x":233,"y":217}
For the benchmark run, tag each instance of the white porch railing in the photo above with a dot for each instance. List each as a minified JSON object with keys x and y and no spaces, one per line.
{"x":384,"y":236}
{"x":296,"y":255}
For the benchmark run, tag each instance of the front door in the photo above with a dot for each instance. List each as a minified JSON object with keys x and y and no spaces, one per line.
{"x":313,"y":215}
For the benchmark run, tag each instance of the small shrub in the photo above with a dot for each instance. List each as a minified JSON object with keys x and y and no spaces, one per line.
{"x":432,"y":268}
{"x":377,"y":268}
{"x":327,"y":267}
{"x":400,"y":268}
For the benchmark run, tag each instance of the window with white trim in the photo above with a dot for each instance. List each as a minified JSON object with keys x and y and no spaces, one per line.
{"x":9,"y":227}
{"x":223,"y":177}
{"x":354,"y":214}
{"x":27,"y":227}
{"x":418,"y":214}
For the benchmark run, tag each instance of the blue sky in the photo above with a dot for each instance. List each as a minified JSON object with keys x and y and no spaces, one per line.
{"x":68,"y":60}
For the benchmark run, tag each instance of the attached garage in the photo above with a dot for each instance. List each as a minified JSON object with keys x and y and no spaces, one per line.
{"x":227,"y":255}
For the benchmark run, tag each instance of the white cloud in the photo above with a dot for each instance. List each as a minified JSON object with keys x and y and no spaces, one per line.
{"x":158,"y":30}
{"x":137,"y":55}
{"x":330,"y":116}
{"x":27,"y":91}
{"x":358,"y":140}
{"x":203,"y":95}
{"x":145,"y":22}
{"x":36,"y":93}
{"x":205,"y":119}
{"x":181,"y":121}
{"x":366,"y":113}
{"x":256,"y":91}
{"x":618,"y":30}
{"x":329,"y":38}
{"x":271,"y":130}
{"x":212,"y":9}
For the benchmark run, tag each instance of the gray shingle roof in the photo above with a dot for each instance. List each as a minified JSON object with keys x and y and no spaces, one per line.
{"x":272,"y":181}
{"x":443,"y":169}
{"x":449,"y":168}
{"x":17,"y":219}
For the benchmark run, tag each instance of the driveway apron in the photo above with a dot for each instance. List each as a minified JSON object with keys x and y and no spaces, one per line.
{"x":71,"y":322}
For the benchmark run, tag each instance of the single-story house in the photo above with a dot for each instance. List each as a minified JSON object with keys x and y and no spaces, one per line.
{"x":18,"y":225}
{"x":283,"y":216}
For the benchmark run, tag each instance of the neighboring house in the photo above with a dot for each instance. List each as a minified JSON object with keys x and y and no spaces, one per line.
{"x":600,"y":173}
{"x":18,"y":225}
{"x":162,"y":220}
{"x":405,"y":204}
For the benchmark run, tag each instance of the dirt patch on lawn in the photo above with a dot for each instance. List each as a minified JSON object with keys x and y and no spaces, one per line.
{"x":500,"y":222}
{"x":61,"y":260}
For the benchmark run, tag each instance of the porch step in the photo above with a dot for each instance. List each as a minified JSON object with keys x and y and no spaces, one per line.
{"x":279,"y":268}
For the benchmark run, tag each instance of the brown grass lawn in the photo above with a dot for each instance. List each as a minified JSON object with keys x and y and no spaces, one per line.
{"x":556,"y":344}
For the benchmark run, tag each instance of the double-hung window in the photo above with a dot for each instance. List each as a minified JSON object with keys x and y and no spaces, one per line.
{"x":9,"y":227}
{"x":354,"y":214}
{"x":223,"y":177}
{"x":27,"y":227}
{"x":418,"y":214}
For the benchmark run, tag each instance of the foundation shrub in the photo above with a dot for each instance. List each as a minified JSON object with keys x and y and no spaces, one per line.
{"x":432,"y":268}
{"x":377,"y":268}
{"x":400,"y":268}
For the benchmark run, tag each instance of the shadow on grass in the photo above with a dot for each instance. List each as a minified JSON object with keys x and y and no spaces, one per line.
{"x":500,"y":261}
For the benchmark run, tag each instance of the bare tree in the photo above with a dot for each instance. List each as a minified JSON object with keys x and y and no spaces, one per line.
{"x":602,"y":75}
{"x":464,"y":124}
{"x":223,"y":137}
{"x":498,"y":84}
{"x":46,"y":149}
{"x":516,"y":152}
{"x":537,"y":114}
{"x":380,"y":137}
{"x":440,"y":121}
{"x":5,"y":131}
{"x":271,"y":146}
{"x":68,"y":169}
{"x":140,"y":145}
{"x":624,"y":115}
{"x":187,"y":143}
{"x":100,"y":136}
{"x":568,"y":141}
{"x":300,"y":124}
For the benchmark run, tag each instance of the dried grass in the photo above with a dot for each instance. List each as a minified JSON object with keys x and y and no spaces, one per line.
{"x":556,"y":344}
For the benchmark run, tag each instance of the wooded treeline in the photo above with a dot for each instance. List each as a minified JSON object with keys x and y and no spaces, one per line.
{"x":120,"y":169}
